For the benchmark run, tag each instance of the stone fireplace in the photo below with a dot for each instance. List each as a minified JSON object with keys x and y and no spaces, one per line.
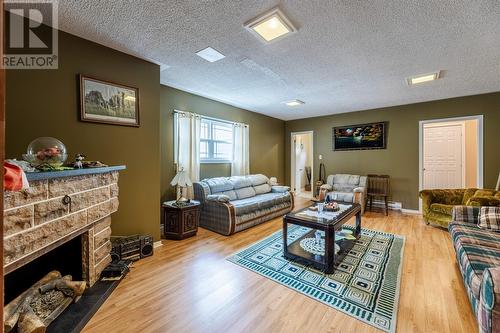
{"x":59,"y":207}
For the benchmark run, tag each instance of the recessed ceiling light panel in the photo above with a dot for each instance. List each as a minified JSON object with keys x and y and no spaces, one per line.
{"x":294,"y":102}
{"x":210,"y":54}
{"x":423,"y":78}
{"x":271,"y":26}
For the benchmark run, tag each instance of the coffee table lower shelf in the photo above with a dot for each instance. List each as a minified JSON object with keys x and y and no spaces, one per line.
{"x":296,"y":253}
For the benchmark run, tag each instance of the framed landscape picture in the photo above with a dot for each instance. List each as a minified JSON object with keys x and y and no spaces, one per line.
{"x":357,"y":137}
{"x":107,"y":102}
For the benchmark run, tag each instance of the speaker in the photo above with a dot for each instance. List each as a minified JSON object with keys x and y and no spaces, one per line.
{"x":146,"y":246}
{"x":115,"y":254}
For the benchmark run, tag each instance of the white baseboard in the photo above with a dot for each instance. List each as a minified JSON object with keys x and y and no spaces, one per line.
{"x":157,"y":244}
{"x":411,"y":211}
{"x":393,"y":205}
{"x":381,"y":204}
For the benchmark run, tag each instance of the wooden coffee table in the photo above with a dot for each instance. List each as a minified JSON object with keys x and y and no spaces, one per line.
{"x":331,"y":224}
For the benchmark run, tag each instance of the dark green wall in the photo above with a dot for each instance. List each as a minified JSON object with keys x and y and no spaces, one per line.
{"x":45,"y":103}
{"x":267,"y":141}
{"x":400,"y":159}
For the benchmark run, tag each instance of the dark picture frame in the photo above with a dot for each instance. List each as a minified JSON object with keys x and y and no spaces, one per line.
{"x":360,"y":137}
{"x":107,"y":102}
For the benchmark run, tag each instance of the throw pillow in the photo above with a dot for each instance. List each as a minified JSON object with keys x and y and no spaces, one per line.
{"x":489,"y":218}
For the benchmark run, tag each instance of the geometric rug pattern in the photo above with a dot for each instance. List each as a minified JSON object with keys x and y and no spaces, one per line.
{"x":365,"y":285}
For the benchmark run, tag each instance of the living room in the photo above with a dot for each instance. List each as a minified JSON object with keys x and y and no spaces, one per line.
{"x":153,"y":166}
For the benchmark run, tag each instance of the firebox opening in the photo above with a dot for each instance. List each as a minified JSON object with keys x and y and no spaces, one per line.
{"x":66,"y":258}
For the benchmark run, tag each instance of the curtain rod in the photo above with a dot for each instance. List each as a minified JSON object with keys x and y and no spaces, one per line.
{"x":212,"y":118}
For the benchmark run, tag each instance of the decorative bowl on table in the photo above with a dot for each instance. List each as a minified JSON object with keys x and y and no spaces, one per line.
{"x":332,"y":207}
{"x":46,"y":152}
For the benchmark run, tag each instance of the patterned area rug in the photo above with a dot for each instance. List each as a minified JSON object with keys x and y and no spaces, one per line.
{"x":365,"y":285}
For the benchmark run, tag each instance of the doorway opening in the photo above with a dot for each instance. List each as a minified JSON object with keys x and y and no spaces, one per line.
{"x":302,"y":167}
{"x":451,"y":153}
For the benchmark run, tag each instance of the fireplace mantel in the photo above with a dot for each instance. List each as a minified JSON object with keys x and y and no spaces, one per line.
{"x":31,"y":176}
{"x":60,"y":206}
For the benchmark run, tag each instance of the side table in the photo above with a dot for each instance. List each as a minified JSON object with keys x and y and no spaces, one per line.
{"x":181,"y":221}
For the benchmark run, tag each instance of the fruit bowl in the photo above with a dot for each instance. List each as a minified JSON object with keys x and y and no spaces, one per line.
{"x":46,"y":152}
{"x":332,"y":207}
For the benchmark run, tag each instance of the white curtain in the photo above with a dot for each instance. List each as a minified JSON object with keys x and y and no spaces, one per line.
{"x":241,"y":154}
{"x":187,"y":146}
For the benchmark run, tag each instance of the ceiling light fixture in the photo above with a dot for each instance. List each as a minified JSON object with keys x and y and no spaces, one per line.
{"x":294,"y":102}
{"x":210,"y":54}
{"x":423,"y":78}
{"x":271,"y":25}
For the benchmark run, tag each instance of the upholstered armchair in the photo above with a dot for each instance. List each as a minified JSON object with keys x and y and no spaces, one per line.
{"x":348,"y":188}
{"x":437,"y":205}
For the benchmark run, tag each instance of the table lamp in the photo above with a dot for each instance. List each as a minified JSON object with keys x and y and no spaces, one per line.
{"x":182,"y":180}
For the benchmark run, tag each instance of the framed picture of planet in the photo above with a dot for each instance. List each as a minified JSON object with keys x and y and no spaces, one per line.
{"x":358,"y":137}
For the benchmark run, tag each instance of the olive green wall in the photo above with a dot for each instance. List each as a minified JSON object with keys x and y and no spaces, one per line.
{"x":45,"y":103}
{"x":267,"y":141}
{"x":400,"y":159}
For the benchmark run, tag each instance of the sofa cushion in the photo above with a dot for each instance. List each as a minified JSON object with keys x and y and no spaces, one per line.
{"x":483,"y":201}
{"x":272,"y":199}
{"x":341,"y":179}
{"x":467,"y":194}
{"x":489,"y":218}
{"x":465,"y":215}
{"x":353,"y":180}
{"x":219,"y":184}
{"x":245,"y":192}
{"x":341,"y":196}
{"x":261,"y":189}
{"x":259,"y":202}
{"x":240,"y":181}
{"x":442,"y":208}
{"x":343,"y":188}
{"x":258,"y":179}
{"x":245,"y":206}
{"x":473,"y":260}
{"x":471,"y":234}
{"x":258,"y":216}
{"x":231,"y":194}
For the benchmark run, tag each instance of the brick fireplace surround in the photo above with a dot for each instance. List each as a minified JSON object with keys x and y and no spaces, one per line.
{"x":58,"y":207}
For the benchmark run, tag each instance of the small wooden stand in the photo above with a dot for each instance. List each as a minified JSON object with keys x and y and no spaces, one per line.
{"x":181,"y":221}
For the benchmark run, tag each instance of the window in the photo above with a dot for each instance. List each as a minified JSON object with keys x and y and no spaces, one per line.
{"x":216,"y":141}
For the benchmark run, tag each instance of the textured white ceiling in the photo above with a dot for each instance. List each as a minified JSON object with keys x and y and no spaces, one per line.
{"x":347,"y":55}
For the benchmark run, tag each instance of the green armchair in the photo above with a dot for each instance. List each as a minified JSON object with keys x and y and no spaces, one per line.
{"x":437,"y":205}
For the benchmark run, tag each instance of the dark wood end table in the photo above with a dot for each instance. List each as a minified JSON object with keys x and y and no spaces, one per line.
{"x":180,"y":221}
{"x":329,"y":259}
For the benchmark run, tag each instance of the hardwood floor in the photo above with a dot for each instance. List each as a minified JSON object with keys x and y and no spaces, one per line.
{"x":188,"y":286}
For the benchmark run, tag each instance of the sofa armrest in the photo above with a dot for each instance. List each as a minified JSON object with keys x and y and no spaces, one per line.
{"x":218,"y":198}
{"x":359,"y":189}
{"x":427,"y":197}
{"x":326,"y":187}
{"x":218,"y":216}
{"x":465,"y":214}
{"x":201,"y":191}
{"x":280,"y":189}
{"x":488,"y":309}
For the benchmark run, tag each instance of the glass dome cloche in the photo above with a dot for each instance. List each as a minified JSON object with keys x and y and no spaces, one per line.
{"x":46,"y":152}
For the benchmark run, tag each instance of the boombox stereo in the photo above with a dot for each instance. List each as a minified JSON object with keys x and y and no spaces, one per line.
{"x":131,"y":247}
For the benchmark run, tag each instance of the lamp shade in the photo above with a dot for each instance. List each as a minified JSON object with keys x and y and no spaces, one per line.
{"x":181,"y":179}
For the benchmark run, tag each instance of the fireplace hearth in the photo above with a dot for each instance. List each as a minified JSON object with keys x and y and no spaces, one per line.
{"x":58,"y":229}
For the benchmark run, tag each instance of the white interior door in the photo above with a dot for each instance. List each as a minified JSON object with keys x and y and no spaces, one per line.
{"x":443,"y":156}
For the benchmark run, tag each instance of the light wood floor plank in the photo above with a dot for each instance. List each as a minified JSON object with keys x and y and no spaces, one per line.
{"x":188,"y":286}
